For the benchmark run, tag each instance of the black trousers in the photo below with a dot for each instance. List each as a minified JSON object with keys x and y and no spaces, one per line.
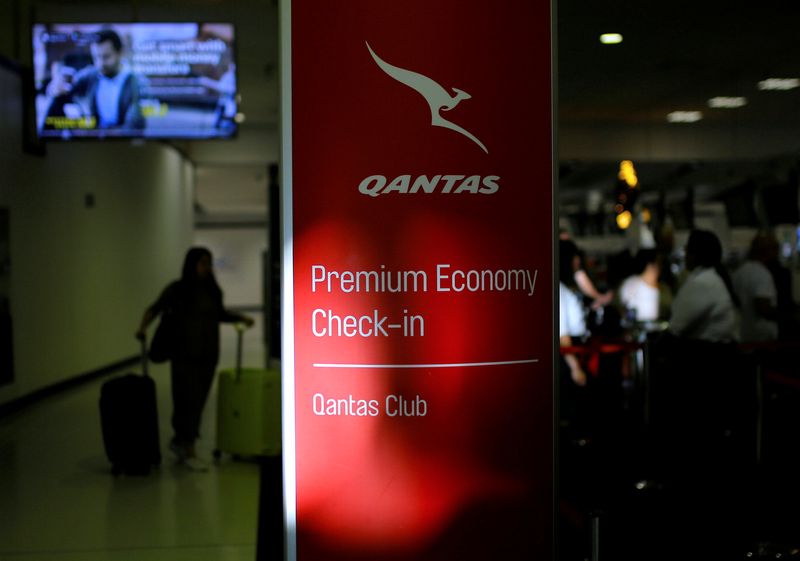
{"x":191,"y":382}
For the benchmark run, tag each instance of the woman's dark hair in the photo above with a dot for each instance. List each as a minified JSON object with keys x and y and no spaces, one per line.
{"x":705,"y":248}
{"x":193,"y":257}
{"x":567,"y":250}
{"x":706,"y":251}
{"x":189,"y":273}
{"x":643,"y":258}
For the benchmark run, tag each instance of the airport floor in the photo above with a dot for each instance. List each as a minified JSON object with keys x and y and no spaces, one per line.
{"x":59,"y":501}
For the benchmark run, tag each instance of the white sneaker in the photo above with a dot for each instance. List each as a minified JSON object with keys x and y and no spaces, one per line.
{"x":178,"y":450}
{"x":195,"y":464}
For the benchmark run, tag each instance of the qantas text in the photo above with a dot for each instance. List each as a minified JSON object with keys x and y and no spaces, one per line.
{"x":376,"y":185}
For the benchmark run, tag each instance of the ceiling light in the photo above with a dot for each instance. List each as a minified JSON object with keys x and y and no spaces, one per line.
{"x":684,"y":116}
{"x":611,"y":38}
{"x":727,"y":102}
{"x":779,"y":84}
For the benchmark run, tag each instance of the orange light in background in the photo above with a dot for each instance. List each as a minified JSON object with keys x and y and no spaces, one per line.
{"x":646,"y":215}
{"x":624,"y":220}
{"x":627,"y":173}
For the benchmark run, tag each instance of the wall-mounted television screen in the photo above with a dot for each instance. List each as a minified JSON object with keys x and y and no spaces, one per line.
{"x":135,"y":80}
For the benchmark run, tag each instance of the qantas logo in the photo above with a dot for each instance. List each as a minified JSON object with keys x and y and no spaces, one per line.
{"x":438,"y":98}
{"x":376,"y":185}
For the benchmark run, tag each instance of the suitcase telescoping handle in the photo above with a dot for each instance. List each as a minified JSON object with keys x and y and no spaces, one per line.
{"x":240,"y":327}
{"x":145,"y":371}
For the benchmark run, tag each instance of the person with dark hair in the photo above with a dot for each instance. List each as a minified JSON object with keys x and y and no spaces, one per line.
{"x":639,"y":293}
{"x":755,"y":288}
{"x":107,"y":91}
{"x":571,"y":321}
{"x":196,"y":304}
{"x":582,"y":281}
{"x":705,"y":306}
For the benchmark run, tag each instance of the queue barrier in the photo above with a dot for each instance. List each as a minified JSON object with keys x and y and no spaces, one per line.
{"x":773,"y":364}
{"x":717,"y":452}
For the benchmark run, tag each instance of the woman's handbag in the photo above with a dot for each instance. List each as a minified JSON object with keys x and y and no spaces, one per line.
{"x":163,"y":343}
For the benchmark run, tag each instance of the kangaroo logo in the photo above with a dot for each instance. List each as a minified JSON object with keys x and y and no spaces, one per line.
{"x":438,"y":98}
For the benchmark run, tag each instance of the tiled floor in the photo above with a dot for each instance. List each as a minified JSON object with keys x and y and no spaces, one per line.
{"x":59,"y":502}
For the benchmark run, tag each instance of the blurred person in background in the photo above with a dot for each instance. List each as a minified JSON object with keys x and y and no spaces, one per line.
{"x":196,"y":305}
{"x":705,"y":305}
{"x":639,"y":294}
{"x":755,"y":288}
{"x":581,"y":278}
{"x":571,"y":318}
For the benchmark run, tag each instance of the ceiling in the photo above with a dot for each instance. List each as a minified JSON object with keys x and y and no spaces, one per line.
{"x":675,"y":56}
{"x":612,"y":99}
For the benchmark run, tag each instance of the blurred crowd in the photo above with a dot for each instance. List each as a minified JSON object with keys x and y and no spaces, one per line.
{"x":667,"y":356}
{"x":691,"y":294}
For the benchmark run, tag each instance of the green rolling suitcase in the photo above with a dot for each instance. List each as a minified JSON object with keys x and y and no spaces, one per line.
{"x":248,"y":410}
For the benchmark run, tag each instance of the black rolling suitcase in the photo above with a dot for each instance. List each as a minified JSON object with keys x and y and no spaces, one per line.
{"x":129,"y":418}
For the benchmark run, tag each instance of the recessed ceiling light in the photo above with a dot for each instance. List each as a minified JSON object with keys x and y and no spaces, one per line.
{"x":611,"y":38}
{"x":723,"y":102}
{"x":779,"y":84}
{"x":684,"y":116}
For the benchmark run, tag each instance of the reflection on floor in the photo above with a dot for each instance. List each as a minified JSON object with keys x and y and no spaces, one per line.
{"x":59,"y":502}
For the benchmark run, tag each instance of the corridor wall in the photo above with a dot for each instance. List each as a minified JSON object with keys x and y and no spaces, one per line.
{"x":96,"y":230}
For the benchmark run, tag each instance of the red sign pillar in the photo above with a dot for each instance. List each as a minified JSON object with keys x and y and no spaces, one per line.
{"x":418,"y":279}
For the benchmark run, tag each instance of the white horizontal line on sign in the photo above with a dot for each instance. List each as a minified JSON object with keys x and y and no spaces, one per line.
{"x":435,"y":365}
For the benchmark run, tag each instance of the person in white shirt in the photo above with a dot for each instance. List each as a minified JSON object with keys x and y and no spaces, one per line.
{"x":640,"y":293}
{"x":704,"y":306}
{"x":571,"y":322}
{"x":756,"y":290}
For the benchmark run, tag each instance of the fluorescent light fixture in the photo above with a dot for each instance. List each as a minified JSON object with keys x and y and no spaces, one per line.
{"x":723,"y":102}
{"x":779,"y":84}
{"x":684,"y":116}
{"x":611,"y":38}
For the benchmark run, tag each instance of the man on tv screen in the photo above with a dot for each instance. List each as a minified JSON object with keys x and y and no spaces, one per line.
{"x":102,"y":96}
